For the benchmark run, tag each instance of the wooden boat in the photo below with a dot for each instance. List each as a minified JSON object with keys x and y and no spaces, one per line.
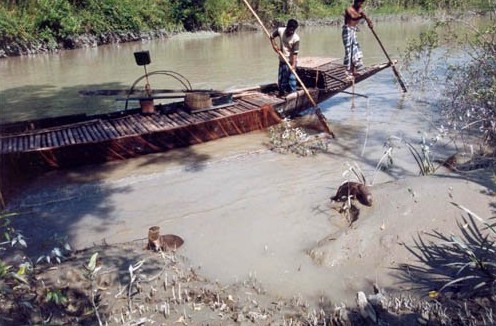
{"x":67,"y":141}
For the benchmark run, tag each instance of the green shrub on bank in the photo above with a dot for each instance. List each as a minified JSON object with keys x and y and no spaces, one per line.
{"x":12,"y":26}
{"x":56,"y":20}
{"x":221,"y":13}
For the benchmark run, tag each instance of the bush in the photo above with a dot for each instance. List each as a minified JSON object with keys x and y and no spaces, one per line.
{"x":57,"y":18}
{"x":222,"y":13}
{"x":471,"y":89}
{"x":13,"y":27}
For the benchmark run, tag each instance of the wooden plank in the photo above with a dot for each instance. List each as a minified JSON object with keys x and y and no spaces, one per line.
{"x":43,"y":142}
{"x":140,"y":123}
{"x":258,"y":102}
{"x":20,"y":143}
{"x":206,"y":115}
{"x":75,"y":134}
{"x":168,"y":121}
{"x":314,"y":62}
{"x":107,"y":129}
{"x":189,"y":117}
{"x":177,"y":119}
{"x":54,"y":138}
{"x":152,"y":124}
{"x":31,"y":142}
{"x":78,"y":134}
{"x":184,"y":119}
{"x":86,"y":134}
{"x":155,"y":122}
{"x":120,"y":127}
{"x":42,"y":130}
{"x":61,"y":138}
{"x":247,"y":105}
{"x":102,"y":131}
{"x":81,"y":135}
{"x":238,"y":109}
{"x":136,"y":127}
{"x":9,"y":144}
{"x":211,"y":115}
{"x":68,"y":136}
{"x":49,"y":139}
{"x":37,"y":141}
{"x":127,"y":126}
{"x":110,"y":127}
{"x":14,"y":144}
{"x":98,"y":134}
{"x":4,"y":144}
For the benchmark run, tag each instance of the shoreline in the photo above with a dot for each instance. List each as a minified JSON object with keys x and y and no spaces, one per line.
{"x":16,"y":48}
{"x":172,"y":287}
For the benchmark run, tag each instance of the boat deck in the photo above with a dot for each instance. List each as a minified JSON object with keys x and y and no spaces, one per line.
{"x":131,"y":125}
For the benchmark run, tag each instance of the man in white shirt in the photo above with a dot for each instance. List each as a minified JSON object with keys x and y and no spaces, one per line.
{"x":289,"y":47}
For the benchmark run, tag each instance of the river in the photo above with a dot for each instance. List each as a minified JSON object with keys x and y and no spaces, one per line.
{"x":243,"y":210}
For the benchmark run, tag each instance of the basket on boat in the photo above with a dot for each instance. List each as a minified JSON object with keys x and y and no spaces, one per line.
{"x":197,"y":101}
{"x":147,"y":105}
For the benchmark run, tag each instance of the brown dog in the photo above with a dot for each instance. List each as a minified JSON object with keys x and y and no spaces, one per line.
{"x":354,"y":190}
{"x":165,"y":242}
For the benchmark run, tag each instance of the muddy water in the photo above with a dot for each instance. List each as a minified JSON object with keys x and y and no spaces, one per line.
{"x":242,"y":209}
{"x":49,"y":85}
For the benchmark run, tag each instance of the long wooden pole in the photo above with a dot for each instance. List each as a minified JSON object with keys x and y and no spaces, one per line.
{"x":396,"y":73}
{"x":321,"y":116}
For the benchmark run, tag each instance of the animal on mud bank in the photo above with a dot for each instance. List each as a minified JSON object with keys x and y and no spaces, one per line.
{"x":354,"y":190}
{"x":164,"y":242}
{"x":347,"y":193}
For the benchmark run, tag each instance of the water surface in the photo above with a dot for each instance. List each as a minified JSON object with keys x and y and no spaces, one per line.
{"x":242,"y":209}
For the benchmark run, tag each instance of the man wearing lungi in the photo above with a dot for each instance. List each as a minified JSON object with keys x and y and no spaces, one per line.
{"x":352,"y":52}
{"x":289,"y":46}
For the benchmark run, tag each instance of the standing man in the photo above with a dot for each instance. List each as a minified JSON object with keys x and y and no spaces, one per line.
{"x":289,"y":46}
{"x":352,"y":52}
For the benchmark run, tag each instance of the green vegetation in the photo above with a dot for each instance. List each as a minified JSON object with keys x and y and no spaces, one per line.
{"x":53,"y":21}
{"x":469,"y":92}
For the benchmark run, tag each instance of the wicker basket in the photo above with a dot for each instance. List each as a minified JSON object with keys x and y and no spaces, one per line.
{"x":197,"y":101}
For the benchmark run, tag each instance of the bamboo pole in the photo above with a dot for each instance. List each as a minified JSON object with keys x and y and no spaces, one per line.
{"x":396,"y":73}
{"x":321,"y":116}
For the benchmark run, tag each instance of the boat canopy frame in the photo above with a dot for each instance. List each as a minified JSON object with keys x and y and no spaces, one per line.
{"x":175,"y":75}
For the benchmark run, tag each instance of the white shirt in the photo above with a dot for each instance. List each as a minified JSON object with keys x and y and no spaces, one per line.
{"x":288,"y":44}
